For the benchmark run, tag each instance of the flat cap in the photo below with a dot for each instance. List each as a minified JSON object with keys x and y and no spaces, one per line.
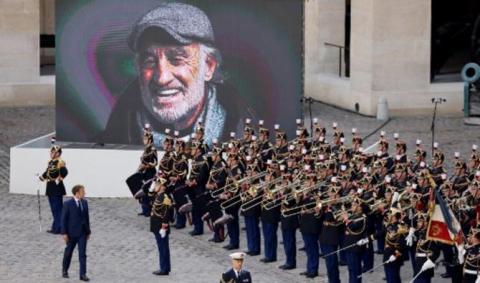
{"x":185,"y":23}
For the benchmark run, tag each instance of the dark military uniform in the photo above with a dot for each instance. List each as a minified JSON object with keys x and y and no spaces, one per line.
{"x":56,"y":171}
{"x":355,"y":230}
{"x":425,"y":249}
{"x":161,"y":216}
{"x":231,"y":277}
{"x":148,"y":163}
{"x":233,"y":226}
{"x":218,"y":177}
{"x":199,"y":173}
{"x":329,"y":242}
{"x":394,"y":246}
{"x":471,"y":269}
{"x":252,"y":221}
{"x":289,"y":225}
{"x":310,"y":228}
{"x":270,"y":219}
{"x":179,"y":190}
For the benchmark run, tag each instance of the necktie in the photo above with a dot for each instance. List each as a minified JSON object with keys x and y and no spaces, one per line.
{"x":79,"y":204}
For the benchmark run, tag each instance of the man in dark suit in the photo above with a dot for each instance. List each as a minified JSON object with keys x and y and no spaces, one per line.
{"x":236,"y":274}
{"x":76,"y":230}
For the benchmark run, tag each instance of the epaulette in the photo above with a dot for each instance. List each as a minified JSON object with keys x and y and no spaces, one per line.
{"x":166,"y":200}
{"x":61,"y":163}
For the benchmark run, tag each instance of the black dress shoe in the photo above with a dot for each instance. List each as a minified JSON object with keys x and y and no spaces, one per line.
{"x":301,"y":249}
{"x":140,"y":214}
{"x":303,"y":273}
{"x":230,"y":247}
{"x":65,"y":274}
{"x":252,"y":253}
{"x":263,"y":260}
{"x":379,"y":252}
{"x":84,"y":278}
{"x":158,"y":272}
{"x":53,"y":232}
{"x":289,"y":267}
{"x":282,"y":266}
{"x":179,"y":227}
{"x":446,"y":275}
{"x":195,"y":233}
{"x":311,"y":275}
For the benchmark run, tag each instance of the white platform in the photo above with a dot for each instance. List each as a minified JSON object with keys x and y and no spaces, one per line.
{"x":101,"y":169}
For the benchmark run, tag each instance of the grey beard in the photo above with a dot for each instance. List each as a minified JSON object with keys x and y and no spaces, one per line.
{"x":213,"y":117}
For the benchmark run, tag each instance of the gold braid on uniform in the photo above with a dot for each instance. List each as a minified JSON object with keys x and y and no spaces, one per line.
{"x":364,"y":220}
{"x":392,"y":238}
{"x":160,"y":208}
{"x":59,"y":164}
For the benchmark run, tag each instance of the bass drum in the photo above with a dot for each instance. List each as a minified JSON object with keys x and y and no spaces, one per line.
{"x":135,"y":183}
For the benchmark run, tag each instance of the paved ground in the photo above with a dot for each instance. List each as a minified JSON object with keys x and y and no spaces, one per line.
{"x":121,"y":248}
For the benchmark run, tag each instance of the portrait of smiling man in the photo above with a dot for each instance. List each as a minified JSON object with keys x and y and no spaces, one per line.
{"x":179,"y":82}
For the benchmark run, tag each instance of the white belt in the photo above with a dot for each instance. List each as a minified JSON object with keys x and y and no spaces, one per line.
{"x":421,"y":255}
{"x":470,"y":271}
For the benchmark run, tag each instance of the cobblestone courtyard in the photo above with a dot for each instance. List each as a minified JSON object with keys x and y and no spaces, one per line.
{"x":122,"y":249}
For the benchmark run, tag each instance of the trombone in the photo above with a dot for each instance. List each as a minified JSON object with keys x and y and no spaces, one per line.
{"x":241,"y":197}
{"x":255,"y":200}
{"x":273,"y":202}
{"x":294,"y":194}
{"x":318,"y":203}
{"x":236,"y":183}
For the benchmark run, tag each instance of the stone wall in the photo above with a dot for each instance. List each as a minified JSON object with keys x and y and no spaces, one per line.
{"x":390,"y":57}
{"x":20,"y":82}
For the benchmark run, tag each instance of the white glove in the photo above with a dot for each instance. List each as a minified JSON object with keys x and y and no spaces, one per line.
{"x":163,"y":233}
{"x":392,"y":258}
{"x":362,"y":242}
{"x":57,"y":181}
{"x":152,"y":187}
{"x":395,"y":197}
{"x":429,"y":264}
{"x":461,"y":253}
{"x":409,"y":237}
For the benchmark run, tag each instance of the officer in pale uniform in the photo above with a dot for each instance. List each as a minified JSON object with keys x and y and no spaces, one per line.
{"x":236,"y":274}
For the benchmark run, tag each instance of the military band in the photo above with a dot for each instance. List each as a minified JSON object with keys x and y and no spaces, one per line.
{"x":343,"y":199}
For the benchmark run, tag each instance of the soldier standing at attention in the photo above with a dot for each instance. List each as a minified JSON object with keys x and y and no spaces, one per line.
{"x":160,"y":218}
{"x":54,"y":175}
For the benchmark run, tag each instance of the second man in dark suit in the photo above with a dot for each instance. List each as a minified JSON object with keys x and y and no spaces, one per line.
{"x":76,"y":230}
